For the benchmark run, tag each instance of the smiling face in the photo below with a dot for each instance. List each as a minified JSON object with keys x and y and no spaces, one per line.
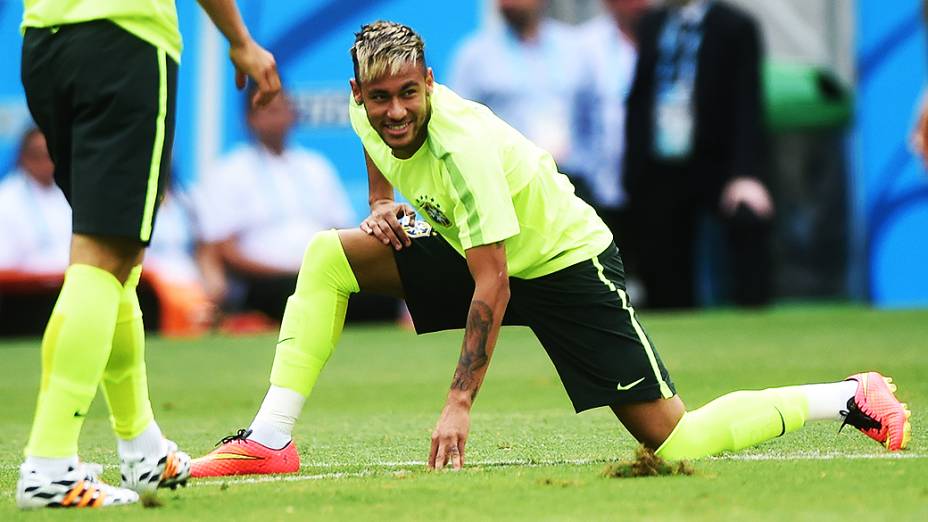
{"x":398,"y":107}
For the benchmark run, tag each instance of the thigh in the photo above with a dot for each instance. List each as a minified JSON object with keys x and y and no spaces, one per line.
{"x":123,"y":99}
{"x":372,"y":262}
{"x":582,"y":317}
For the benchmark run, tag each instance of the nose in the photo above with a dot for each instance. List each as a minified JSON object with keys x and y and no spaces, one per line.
{"x":396,"y":110}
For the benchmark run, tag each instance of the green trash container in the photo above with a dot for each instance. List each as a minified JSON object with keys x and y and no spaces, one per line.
{"x":799,"y":96}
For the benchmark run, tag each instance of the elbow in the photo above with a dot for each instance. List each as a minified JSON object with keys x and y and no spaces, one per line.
{"x":502,"y":289}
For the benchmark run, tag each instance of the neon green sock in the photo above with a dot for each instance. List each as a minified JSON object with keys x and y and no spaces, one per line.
{"x":75,"y":349}
{"x":315,"y":314}
{"x":736,"y":421}
{"x":125,"y":385}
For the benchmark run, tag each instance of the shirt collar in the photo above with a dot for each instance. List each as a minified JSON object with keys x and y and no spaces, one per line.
{"x":694,"y":11}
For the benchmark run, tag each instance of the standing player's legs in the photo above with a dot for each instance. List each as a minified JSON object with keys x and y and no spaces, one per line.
{"x":106,"y":99}
{"x":335,"y":265}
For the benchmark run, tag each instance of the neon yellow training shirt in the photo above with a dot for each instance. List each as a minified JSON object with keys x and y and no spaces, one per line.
{"x":154,"y":21}
{"x":477,"y":181}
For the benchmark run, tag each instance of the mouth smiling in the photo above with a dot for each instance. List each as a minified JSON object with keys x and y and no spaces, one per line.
{"x":396,"y":129}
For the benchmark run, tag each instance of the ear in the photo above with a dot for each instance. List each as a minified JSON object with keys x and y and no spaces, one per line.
{"x":355,"y":90}
{"x":429,"y":80}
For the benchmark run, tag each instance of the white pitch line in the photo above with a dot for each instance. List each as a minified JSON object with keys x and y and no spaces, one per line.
{"x":532,"y":464}
{"x":582,"y":462}
{"x":823,"y":456}
{"x":540,"y":463}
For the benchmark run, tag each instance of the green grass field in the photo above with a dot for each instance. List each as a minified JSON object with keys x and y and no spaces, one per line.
{"x":364,"y":435}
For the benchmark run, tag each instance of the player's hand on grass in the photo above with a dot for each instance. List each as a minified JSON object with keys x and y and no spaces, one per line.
{"x":384,"y":223}
{"x":450,"y":437}
{"x":252,"y":60}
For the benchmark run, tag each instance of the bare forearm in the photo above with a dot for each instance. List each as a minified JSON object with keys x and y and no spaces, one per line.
{"x":225,"y":14}
{"x":483,"y":324}
{"x":232,"y":256}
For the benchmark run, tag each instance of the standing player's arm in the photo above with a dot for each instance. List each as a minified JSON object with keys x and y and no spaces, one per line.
{"x":383,"y":223}
{"x":487,"y":265}
{"x":249,"y":58}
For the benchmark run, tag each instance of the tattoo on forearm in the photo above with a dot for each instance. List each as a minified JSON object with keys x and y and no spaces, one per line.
{"x":474,"y":352}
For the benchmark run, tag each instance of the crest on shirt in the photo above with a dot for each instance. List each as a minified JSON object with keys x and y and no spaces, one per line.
{"x":433,"y":210}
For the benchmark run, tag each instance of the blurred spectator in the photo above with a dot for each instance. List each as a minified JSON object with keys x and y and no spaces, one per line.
{"x":258,"y":209}
{"x":35,"y":219}
{"x":35,"y":235}
{"x":694,"y":147}
{"x":530,"y":73}
{"x":171,"y":271}
{"x":610,"y":41}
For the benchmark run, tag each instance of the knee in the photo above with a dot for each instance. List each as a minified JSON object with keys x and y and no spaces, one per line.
{"x":324,"y":263}
{"x":114,"y":254}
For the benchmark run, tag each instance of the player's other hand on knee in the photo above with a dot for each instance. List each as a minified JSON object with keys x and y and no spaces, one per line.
{"x":450,"y":438}
{"x":386,"y":223}
{"x":253,"y":61}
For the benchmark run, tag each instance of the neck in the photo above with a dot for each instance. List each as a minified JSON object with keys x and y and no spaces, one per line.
{"x":627,"y":28}
{"x":528,"y":32}
{"x":275,"y":147}
{"x":42,"y":182}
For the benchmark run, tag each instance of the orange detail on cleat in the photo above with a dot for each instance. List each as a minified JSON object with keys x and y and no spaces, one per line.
{"x":241,"y":456}
{"x":876,"y":412}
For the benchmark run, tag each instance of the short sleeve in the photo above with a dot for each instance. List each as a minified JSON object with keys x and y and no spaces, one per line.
{"x":483,"y":213}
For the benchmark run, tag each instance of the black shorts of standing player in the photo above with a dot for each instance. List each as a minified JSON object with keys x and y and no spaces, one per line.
{"x":580,"y":314}
{"x":105,"y":100}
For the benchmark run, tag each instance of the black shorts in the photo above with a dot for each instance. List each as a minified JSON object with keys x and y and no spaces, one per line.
{"x":105,"y":100}
{"x":580,"y":314}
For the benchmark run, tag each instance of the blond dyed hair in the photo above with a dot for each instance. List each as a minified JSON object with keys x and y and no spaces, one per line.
{"x":383,"y":48}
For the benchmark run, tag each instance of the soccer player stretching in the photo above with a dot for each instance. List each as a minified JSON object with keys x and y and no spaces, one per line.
{"x":100,"y":79}
{"x":506,"y":242}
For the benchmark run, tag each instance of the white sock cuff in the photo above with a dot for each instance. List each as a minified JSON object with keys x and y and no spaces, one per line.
{"x":149,"y":442}
{"x":273,"y":425}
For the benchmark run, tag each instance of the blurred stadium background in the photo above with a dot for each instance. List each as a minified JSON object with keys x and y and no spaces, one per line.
{"x":843,"y":81}
{"x":859,"y":202}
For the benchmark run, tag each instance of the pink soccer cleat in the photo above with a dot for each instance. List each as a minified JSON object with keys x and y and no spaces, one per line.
{"x":876,"y":412}
{"x":237,"y":455}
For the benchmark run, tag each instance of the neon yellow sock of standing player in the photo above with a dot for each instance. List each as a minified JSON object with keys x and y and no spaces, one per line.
{"x":75,"y":349}
{"x":125,"y":384}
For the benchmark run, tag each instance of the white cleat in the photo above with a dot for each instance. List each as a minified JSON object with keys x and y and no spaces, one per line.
{"x":146,"y":474}
{"x":80,"y":487}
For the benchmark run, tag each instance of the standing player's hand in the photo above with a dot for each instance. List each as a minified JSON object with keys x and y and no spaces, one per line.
{"x":450,"y":437}
{"x":384,"y":223}
{"x":252,"y":60}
